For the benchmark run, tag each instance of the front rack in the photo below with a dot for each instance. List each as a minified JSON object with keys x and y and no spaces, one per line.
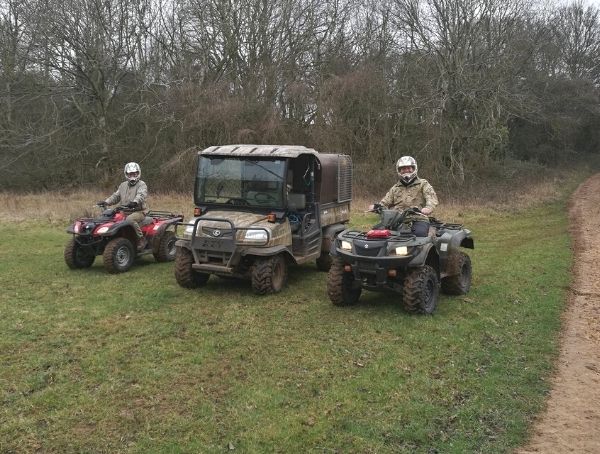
{"x":394,"y":236}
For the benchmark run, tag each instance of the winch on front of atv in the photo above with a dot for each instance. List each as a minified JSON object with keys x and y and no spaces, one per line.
{"x":390,"y":257}
{"x":113,"y":236}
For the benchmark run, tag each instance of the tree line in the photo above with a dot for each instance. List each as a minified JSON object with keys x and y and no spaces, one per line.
{"x":463,"y":85}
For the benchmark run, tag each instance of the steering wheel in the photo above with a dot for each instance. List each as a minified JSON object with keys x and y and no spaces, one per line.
{"x":237,"y":201}
{"x":264,"y":197}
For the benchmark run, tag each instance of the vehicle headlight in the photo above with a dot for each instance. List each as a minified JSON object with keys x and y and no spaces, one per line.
{"x":401,"y":250}
{"x":189,"y":228}
{"x":346,"y":245}
{"x":102,"y":230}
{"x":256,"y":235}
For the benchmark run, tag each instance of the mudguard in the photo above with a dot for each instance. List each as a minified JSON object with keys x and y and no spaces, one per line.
{"x":451,"y":242}
{"x":329,"y":234}
{"x":421,"y":258}
{"x":268,"y":251}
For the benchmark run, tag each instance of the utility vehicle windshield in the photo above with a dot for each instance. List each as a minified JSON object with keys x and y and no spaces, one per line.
{"x":240,"y":181}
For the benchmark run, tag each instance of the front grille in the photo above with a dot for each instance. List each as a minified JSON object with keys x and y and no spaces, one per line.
{"x":367,"y":252}
{"x":216,"y":232}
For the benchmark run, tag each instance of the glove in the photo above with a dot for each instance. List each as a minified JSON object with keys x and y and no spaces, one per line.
{"x":132,"y":205}
{"x":101,"y":203}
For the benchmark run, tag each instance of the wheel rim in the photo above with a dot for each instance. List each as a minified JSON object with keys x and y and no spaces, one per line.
{"x":429,"y":299}
{"x":465,"y":273}
{"x":122,"y":256}
{"x":277,"y":275}
{"x":171,"y":248}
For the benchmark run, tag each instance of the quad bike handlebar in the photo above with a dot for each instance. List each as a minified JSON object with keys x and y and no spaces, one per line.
{"x":378,"y":208}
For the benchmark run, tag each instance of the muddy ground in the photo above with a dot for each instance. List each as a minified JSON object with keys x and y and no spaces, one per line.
{"x":571,"y":422}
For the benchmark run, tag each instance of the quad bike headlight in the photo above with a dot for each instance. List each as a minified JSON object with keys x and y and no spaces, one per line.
{"x":346,"y":245}
{"x":401,"y":250}
{"x":102,"y":230}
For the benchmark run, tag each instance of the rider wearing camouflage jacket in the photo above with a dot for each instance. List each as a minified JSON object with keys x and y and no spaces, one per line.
{"x":418,"y":193}
{"x":410,"y":192}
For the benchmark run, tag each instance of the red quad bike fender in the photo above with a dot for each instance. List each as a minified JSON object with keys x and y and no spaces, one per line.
{"x":123,"y":228}
{"x":155,"y":230}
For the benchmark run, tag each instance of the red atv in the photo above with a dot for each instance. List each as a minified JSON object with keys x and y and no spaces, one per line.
{"x":113,"y":236}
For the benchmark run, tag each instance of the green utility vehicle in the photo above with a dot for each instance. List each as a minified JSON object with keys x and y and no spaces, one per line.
{"x":261,"y":208}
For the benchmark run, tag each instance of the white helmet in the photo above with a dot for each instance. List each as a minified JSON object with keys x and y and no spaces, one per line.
{"x":407,"y":161}
{"x":133,"y":172}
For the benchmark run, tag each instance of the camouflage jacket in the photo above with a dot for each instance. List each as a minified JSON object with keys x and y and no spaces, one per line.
{"x":125,"y":194}
{"x":419,"y":193}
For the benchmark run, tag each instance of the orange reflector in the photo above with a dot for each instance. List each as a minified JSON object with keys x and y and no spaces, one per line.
{"x":197,"y":211}
{"x":271,"y":217}
{"x":392,"y":273}
{"x":347,"y":268}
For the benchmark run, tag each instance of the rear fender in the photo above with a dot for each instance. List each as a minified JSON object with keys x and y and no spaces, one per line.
{"x":449,"y":243}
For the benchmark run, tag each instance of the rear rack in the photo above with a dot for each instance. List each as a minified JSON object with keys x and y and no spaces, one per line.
{"x":444,"y":225}
{"x":394,"y":236}
{"x":162,"y":214}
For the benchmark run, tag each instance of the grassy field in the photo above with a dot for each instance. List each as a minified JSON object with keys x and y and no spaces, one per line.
{"x":93,"y":362}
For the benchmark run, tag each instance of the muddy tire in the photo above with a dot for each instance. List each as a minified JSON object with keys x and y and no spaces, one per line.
{"x":185,"y":275}
{"x":269,"y":274}
{"x":340,"y":286}
{"x":324,"y":261}
{"x":421,"y":290}
{"x":166,"y":247}
{"x":78,"y":256}
{"x":119,"y":255}
{"x":459,"y":283}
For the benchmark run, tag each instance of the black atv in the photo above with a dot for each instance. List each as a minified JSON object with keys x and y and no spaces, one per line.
{"x":391,"y":257}
{"x":113,"y":236}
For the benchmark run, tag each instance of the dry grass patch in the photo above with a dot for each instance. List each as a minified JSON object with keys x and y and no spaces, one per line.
{"x":59,"y":207}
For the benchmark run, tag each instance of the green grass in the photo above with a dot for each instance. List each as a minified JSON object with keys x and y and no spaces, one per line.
{"x":92,"y":362}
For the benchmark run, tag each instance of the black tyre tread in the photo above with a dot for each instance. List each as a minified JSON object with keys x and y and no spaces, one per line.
{"x":324,"y":261}
{"x":162,"y":254}
{"x":339,"y":286}
{"x":459,"y":283}
{"x":184,"y":273}
{"x":110,"y":252}
{"x":414,"y":292}
{"x":263,"y":273}
{"x":71,"y":258}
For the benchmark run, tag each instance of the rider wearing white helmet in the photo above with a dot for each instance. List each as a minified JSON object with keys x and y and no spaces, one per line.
{"x":411,"y":191}
{"x":132,"y":193}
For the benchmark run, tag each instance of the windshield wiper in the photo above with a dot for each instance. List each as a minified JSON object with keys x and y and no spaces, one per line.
{"x":265,"y":169}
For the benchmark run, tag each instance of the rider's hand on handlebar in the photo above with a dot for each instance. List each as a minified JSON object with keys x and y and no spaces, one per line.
{"x":375,"y":207}
{"x":132,"y":205}
{"x":101,"y":203}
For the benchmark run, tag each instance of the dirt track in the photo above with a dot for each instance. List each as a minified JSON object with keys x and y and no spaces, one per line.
{"x":571,"y":422}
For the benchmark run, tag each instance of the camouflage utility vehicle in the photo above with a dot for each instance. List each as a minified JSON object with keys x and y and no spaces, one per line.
{"x":260,"y":208}
{"x":391,"y":257}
